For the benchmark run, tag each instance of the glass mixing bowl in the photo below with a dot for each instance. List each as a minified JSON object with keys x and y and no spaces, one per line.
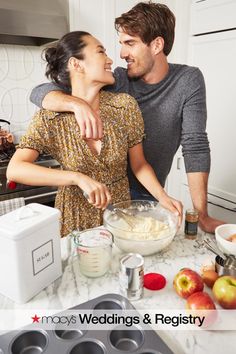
{"x":139,"y":235}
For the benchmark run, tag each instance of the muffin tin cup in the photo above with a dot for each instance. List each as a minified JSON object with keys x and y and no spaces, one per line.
{"x":150,"y":352}
{"x":69,"y":334}
{"x":126,"y":340}
{"x":31,"y":342}
{"x":117,"y":340}
{"x":109,"y":304}
{"x":89,"y":347}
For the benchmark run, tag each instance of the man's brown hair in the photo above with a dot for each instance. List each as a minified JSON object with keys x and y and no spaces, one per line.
{"x":149,"y":20}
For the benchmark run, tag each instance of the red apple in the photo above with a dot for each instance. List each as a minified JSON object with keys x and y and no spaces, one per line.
{"x":224,"y":291}
{"x":200,"y":303}
{"x":186,"y":282}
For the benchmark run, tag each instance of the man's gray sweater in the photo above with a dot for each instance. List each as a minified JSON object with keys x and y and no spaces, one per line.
{"x":174,"y":113}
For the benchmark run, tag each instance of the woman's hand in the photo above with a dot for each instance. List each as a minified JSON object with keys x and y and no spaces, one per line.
{"x":173,"y":205}
{"x":97,"y":193}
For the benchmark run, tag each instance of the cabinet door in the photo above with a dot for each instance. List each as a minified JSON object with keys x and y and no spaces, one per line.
{"x":212,"y":15}
{"x":215,"y":55}
{"x":217,"y":207}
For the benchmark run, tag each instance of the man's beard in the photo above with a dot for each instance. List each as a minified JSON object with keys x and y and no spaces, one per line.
{"x":134,"y":75}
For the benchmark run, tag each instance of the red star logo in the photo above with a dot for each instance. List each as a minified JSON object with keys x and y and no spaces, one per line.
{"x":35,"y":318}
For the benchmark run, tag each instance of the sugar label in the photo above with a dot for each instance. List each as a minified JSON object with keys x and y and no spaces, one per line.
{"x":42,"y":257}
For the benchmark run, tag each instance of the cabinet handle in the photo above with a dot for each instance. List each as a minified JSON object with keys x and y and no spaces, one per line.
{"x":221,"y":206}
{"x":41,"y":195}
{"x":178,"y":163}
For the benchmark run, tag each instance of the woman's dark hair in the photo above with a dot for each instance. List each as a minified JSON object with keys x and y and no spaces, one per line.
{"x":57,"y":56}
{"x":148,"y":21}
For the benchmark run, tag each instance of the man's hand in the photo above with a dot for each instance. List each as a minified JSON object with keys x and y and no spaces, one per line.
{"x":209,"y":224}
{"x":198,"y":188}
{"x":89,"y":121}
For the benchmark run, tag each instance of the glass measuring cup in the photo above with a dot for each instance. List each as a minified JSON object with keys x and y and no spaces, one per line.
{"x":94,"y":248}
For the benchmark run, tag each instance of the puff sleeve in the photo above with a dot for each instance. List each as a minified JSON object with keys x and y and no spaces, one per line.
{"x":38,"y":135}
{"x":134,"y":121}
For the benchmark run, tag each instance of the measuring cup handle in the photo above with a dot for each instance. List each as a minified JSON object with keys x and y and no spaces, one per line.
{"x":4,"y":121}
{"x":74,"y":247}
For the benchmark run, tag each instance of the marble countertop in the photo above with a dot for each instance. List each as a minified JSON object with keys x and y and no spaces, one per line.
{"x":72,"y":288}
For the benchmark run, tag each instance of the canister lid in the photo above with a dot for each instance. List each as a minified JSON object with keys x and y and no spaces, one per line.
{"x":27,"y":219}
{"x":132,"y":261}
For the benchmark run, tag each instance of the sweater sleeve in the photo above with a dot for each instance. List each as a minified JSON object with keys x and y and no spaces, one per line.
{"x":39,"y":92}
{"x":194,"y":140}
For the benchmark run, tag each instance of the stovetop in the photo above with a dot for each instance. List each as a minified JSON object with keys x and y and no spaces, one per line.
{"x":17,"y":189}
{"x":6,"y":155}
{"x":43,"y":159}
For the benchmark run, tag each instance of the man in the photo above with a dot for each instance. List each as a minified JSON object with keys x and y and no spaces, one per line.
{"x":171,"y":98}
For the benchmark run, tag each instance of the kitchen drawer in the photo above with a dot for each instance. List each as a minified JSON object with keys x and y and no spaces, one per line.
{"x":212,"y":15}
{"x":218,"y":207}
{"x":222,"y":209}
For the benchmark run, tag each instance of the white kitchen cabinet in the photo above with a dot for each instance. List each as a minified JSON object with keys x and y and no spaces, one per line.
{"x":221,"y":208}
{"x":212,"y":48}
{"x":212,"y":15}
{"x":215,"y":55}
{"x":174,"y":180}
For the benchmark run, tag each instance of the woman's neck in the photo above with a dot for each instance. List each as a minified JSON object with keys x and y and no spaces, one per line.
{"x":87,"y":92}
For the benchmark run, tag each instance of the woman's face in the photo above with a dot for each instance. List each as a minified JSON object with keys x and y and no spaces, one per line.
{"x":96,"y":64}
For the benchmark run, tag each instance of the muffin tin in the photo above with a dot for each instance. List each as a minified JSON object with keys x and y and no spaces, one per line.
{"x":115,"y":341}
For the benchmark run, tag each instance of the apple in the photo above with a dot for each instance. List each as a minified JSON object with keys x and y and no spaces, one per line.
{"x":224,"y":291}
{"x":200,"y":303}
{"x":186,"y":282}
{"x":209,"y":277}
{"x":207,"y":266}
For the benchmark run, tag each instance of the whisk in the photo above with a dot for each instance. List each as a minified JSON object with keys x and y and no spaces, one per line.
{"x":129,"y":219}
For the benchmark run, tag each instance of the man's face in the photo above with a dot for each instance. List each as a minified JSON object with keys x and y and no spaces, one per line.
{"x":137,"y":54}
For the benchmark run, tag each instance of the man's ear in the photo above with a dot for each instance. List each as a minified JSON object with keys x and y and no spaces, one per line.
{"x":75,"y":64}
{"x":157,"y":45}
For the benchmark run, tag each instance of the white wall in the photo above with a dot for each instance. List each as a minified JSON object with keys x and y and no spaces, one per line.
{"x":21,"y":67}
{"x":98,"y":18}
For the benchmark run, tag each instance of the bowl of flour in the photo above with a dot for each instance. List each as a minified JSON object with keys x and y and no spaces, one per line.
{"x":150,"y":230}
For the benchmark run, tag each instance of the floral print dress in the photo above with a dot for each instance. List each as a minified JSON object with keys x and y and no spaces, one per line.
{"x":59,"y":135}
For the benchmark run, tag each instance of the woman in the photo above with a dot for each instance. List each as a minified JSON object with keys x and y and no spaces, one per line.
{"x":97,"y":168}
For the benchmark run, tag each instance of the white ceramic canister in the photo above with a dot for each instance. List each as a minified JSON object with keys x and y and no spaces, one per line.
{"x":30,"y":255}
